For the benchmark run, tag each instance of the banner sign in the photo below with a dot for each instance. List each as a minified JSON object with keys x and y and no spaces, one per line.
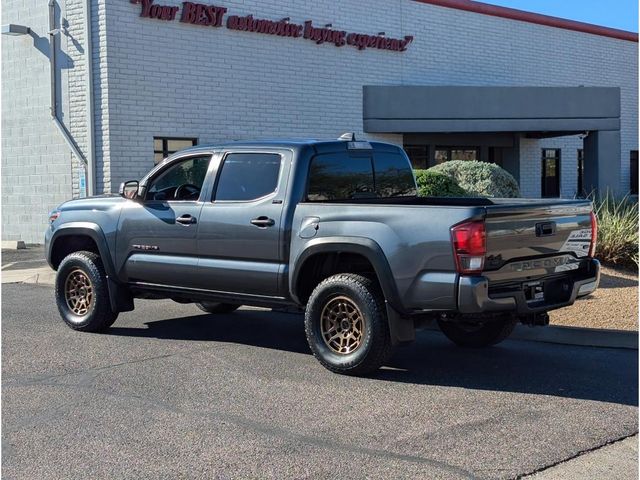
{"x":214,"y":16}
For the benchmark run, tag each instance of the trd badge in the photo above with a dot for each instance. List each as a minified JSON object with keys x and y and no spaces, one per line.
{"x":145,"y":247}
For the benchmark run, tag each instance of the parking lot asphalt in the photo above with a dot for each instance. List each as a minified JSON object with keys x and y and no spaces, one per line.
{"x":31,"y":257}
{"x":170,"y":392}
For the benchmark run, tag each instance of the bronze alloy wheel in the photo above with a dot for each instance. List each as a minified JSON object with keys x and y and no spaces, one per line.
{"x":78,"y":292}
{"x":342,"y":325}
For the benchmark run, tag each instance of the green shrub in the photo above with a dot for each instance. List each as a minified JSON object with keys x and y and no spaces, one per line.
{"x":617,"y":231}
{"x":480,"y":179}
{"x":434,"y":184}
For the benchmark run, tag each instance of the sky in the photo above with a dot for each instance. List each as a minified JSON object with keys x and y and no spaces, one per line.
{"x":622,"y":14}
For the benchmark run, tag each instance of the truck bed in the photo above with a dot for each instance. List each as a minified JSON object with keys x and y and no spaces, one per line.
{"x":457,"y":201}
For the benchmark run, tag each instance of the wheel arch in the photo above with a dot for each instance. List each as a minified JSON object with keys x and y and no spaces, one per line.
{"x":78,"y":231}
{"x":400,"y":325}
{"x":75,"y":236}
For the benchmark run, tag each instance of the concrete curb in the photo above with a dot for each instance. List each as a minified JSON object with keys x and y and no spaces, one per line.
{"x":581,"y":336}
{"x":585,"y":337}
{"x":13,"y":245}
{"x":578,"y":336}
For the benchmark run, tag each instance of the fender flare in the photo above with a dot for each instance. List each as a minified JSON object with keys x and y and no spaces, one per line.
{"x":400,"y":324}
{"x":119,"y":296}
{"x":88,"y":229}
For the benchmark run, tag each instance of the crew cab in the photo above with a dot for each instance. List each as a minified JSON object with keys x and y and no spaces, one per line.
{"x":332,"y":227}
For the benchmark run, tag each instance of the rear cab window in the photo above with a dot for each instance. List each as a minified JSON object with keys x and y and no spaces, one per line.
{"x":359,"y":175}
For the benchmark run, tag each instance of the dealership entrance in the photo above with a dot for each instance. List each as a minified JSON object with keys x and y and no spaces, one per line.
{"x":490,"y":123}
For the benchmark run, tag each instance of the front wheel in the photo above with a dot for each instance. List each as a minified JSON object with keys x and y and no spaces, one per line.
{"x":82,"y":294}
{"x":477,"y":335}
{"x":346,"y":324}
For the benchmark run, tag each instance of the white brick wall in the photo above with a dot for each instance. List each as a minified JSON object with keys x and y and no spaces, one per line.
{"x":36,"y":163}
{"x":155,"y":78}
{"x":167,"y":78}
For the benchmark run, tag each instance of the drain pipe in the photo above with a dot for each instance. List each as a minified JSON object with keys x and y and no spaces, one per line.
{"x":53,"y":32}
{"x":88,"y":58}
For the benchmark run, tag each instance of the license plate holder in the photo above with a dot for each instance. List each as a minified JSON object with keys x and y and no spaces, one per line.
{"x":534,"y":292}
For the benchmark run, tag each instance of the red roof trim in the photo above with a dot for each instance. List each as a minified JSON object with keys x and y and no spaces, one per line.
{"x":521,"y":15}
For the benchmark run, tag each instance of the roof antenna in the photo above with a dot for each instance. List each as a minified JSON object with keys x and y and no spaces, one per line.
{"x":348,"y":137}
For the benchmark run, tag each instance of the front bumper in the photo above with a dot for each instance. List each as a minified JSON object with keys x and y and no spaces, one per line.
{"x":47,"y":245}
{"x":476,"y":295}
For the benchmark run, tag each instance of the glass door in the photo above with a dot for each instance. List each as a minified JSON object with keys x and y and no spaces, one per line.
{"x":551,"y":172}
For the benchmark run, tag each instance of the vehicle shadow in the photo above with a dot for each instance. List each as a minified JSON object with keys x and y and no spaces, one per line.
{"x":601,"y":374}
{"x":609,"y":281}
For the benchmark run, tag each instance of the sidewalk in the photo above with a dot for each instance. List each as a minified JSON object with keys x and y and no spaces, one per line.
{"x":40,"y":275}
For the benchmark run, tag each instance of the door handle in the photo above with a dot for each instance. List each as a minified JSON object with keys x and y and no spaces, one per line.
{"x":186,"y":220}
{"x":263,"y":222}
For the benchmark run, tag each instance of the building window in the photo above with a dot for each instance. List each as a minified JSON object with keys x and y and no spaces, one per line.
{"x":580,"y":192}
{"x":165,"y":146}
{"x":633,"y":170}
{"x":418,"y":155}
{"x":446,"y":154}
{"x":496,"y":155}
{"x":550,"y":172}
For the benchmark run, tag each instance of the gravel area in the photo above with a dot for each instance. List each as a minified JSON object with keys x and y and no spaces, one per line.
{"x":614,"y":305}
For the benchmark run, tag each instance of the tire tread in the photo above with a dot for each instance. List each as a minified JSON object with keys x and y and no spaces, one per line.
{"x":370,"y":293}
{"x":102,"y":315}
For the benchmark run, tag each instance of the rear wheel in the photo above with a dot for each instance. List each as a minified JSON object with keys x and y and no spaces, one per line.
{"x":82,"y":294}
{"x":215,"y":307}
{"x":480,"y":334}
{"x":346,"y":324}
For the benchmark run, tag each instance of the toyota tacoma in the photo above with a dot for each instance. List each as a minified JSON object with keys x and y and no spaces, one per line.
{"x":332,"y":227}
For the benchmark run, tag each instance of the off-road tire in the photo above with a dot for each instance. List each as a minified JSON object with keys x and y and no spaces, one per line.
{"x":375,"y":345}
{"x":483,"y":335}
{"x":215,"y":307}
{"x":99,"y":316}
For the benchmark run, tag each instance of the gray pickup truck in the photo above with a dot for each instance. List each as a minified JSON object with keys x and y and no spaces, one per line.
{"x":331,"y":227}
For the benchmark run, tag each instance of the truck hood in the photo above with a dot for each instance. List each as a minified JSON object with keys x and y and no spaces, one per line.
{"x":98,"y":202}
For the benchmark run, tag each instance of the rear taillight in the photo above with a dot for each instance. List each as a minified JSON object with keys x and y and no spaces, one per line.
{"x":594,"y":235}
{"x":469,"y":246}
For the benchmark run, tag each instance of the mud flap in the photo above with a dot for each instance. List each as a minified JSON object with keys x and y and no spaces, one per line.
{"x":119,"y":296}
{"x":401,"y":328}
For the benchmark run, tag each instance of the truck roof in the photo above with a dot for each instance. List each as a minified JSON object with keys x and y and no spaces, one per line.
{"x":324,"y":145}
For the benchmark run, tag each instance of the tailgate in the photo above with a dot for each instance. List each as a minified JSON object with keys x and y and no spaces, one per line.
{"x":534,"y":237}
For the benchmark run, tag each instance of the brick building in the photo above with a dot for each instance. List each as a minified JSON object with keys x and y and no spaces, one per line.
{"x":553,"y":101}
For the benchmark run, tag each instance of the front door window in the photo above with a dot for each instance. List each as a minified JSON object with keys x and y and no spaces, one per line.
{"x":182,"y":181}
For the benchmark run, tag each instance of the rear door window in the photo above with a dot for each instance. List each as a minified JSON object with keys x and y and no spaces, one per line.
{"x":248,"y":176}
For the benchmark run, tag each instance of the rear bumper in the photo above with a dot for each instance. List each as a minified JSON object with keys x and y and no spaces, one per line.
{"x":475,"y":296}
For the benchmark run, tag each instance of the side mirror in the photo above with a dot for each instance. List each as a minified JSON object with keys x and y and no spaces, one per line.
{"x":129,"y":189}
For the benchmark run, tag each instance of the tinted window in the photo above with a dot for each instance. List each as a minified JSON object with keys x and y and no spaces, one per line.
{"x":393,"y":177}
{"x":188,"y":174}
{"x":248,"y":176}
{"x":345,"y":177}
{"x":340,"y":177}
